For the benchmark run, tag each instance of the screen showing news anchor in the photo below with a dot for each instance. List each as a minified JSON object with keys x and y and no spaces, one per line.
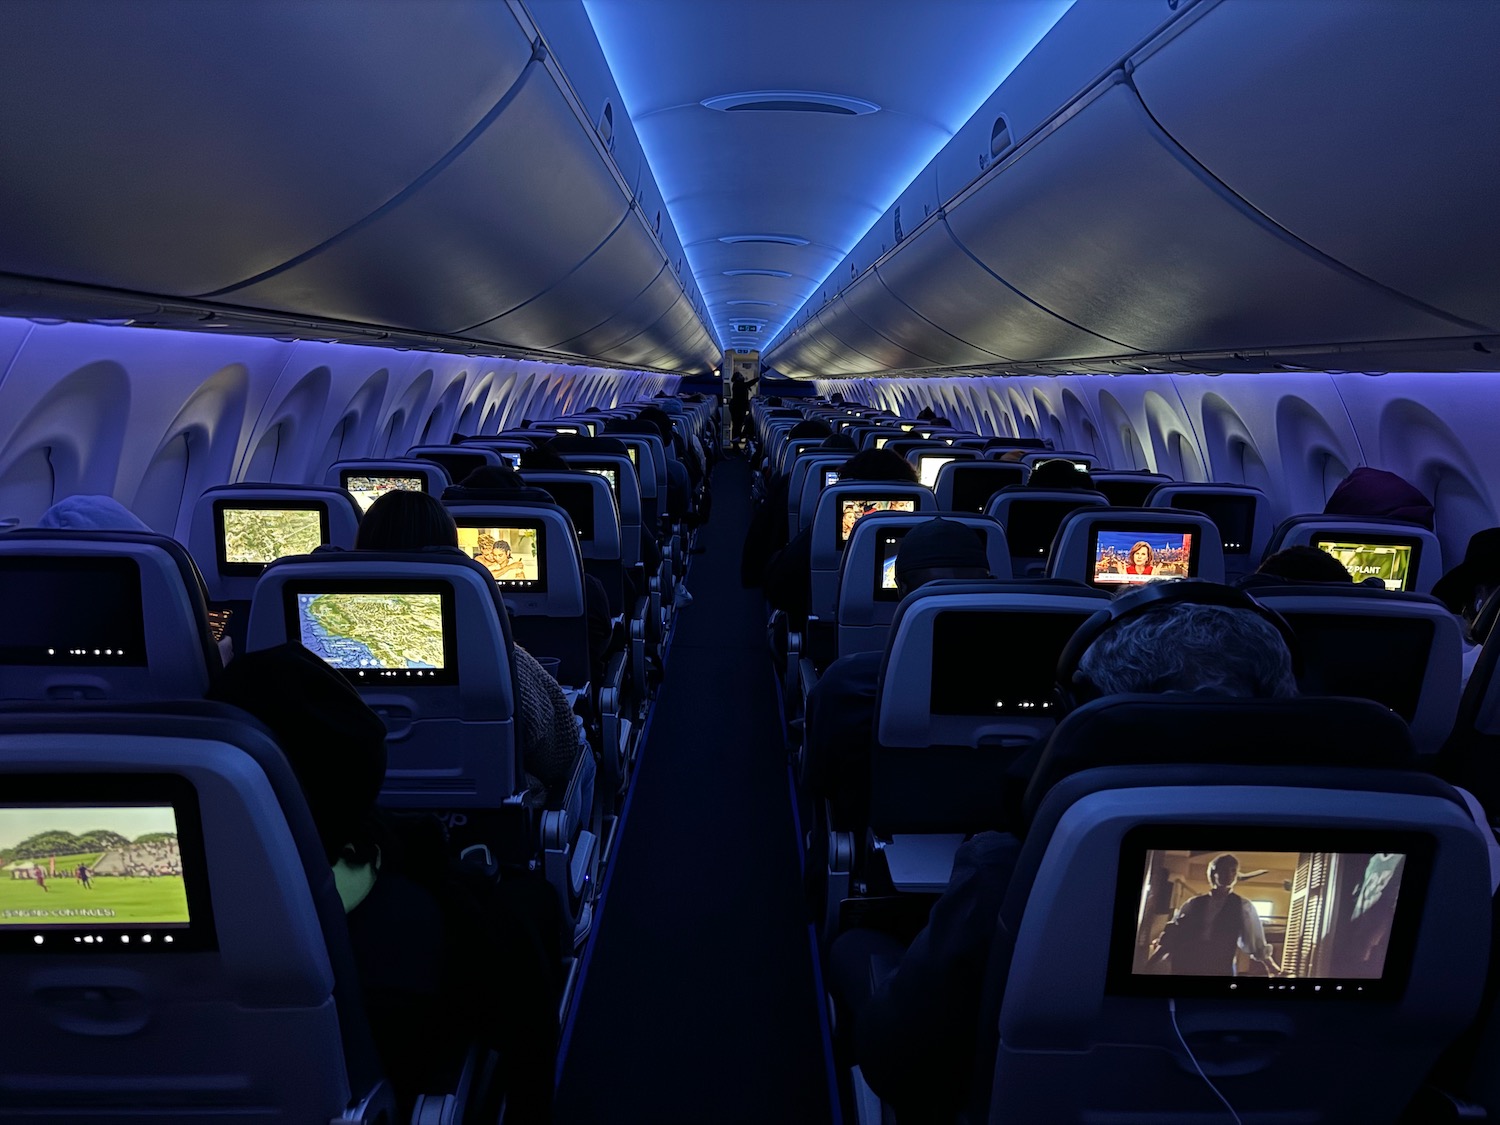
{"x":1133,"y":557}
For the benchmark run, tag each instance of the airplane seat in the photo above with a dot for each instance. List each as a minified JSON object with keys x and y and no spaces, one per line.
{"x":458,"y":461}
{"x":1242,"y":514}
{"x":1471,"y":756}
{"x":1102,"y":547}
{"x":365,"y":478}
{"x":1404,"y":556}
{"x":818,"y":471}
{"x":1404,"y":651}
{"x":95,"y":614}
{"x":625,"y":490}
{"x":1128,"y":488}
{"x":967,"y":485}
{"x":1031,"y":517}
{"x":1088,"y":462}
{"x":867,"y":594}
{"x":236,"y":530}
{"x":230,"y":994}
{"x":1081,"y":1011}
{"x":839,"y":508}
{"x":509,"y":449}
{"x":930,"y":462}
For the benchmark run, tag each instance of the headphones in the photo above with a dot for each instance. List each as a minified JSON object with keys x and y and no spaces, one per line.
{"x":1077,"y":688}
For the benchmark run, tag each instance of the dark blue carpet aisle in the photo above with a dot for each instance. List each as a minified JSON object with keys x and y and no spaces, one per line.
{"x":699,"y":1003}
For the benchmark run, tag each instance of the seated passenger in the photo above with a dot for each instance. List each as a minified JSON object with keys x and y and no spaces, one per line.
{"x":915,"y":1032}
{"x":550,"y":744}
{"x":1466,"y":587}
{"x":445,"y":958}
{"x":1058,"y":473}
{"x":1375,"y":492}
{"x":91,"y":513}
{"x":1297,"y":565}
{"x":495,"y":484}
{"x":788,"y":576}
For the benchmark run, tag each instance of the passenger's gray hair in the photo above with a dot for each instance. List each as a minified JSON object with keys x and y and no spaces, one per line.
{"x":1211,"y":649}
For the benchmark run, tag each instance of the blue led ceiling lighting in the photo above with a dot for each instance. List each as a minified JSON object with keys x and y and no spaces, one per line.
{"x":855,"y":101}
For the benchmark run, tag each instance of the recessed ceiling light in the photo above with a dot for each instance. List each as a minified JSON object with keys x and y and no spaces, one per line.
{"x":780,"y":239}
{"x":790,"y":101}
{"x":756,"y":273}
{"x":768,"y":303}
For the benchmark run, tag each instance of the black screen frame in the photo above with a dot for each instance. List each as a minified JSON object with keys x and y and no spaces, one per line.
{"x":260,"y":504}
{"x":1418,"y":848}
{"x":446,"y":676}
{"x":125,"y":569}
{"x":63,"y":790}
{"x":887,"y":545}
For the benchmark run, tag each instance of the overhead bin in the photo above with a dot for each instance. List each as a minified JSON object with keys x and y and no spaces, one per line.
{"x":633,"y":317}
{"x":874,"y":306}
{"x":175,"y":151}
{"x":1369,"y":133}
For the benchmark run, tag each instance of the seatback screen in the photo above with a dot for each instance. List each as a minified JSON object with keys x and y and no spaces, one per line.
{"x":1127,"y":493}
{"x":73,"y":611}
{"x":986,"y":663}
{"x":1379,"y":658}
{"x":367,"y":488}
{"x":376,"y":632}
{"x":973,"y":485}
{"x":512,"y":552}
{"x":1393,"y":560}
{"x":251,"y":536}
{"x":1032,"y":525}
{"x":102,"y":863}
{"x":1234,"y":516}
{"x":577,"y":499}
{"x":1135,"y":556}
{"x":830,"y":476}
{"x":1254,"y":914}
{"x":928,"y":465}
{"x":887,"y":546}
{"x":457,"y":464}
{"x":852,"y":510}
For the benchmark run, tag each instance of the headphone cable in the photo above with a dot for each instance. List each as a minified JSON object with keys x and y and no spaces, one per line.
{"x":1172,"y":1009}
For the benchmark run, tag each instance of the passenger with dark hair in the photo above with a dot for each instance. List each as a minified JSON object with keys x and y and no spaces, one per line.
{"x":1469,"y":585}
{"x":788,"y":576}
{"x":1375,"y":492}
{"x":1298,"y":564}
{"x":415,"y":521}
{"x":1058,"y":473}
{"x":917,"y":1026}
{"x":739,"y":404}
{"x":494,"y":484}
{"x":543,"y":458}
{"x":446,"y":959}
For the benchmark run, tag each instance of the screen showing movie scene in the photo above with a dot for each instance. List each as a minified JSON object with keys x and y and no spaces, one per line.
{"x":830,"y":476}
{"x":105,"y":867}
{"x":928,"y":465}
{"x":375,"y":636}
{"x":1232,"y":919}
{"x":1392,"y":561}
{"x":1133,"y":557}
{"x":513,"y":554}
{"x":1379,"y":658}
{"x":255,"y":536}
{"x":998,"y":663}
{"x":851,"y":511}
{"x":887,"y":544}
{"x":367,"y":489}
{"x":71,"y":611}
{"x":1234,"y":516}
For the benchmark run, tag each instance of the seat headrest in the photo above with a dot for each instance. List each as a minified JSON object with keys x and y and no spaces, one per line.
{"x":1185,"y":729}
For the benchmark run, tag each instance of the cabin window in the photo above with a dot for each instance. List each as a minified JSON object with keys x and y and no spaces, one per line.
{"x":999,"y":136}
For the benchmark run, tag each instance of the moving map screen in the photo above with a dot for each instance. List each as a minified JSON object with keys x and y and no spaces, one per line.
{"x":1133,"y":557}
{"x":377,"y":633}
{"x":71,"y":611}
{"x":513,"y":554}
{"x":252,"y":535}
{"x":1260,"y":915}
{"x":853,"y":510}
{"x":1392,"y":560}
{"x":367,"y":489}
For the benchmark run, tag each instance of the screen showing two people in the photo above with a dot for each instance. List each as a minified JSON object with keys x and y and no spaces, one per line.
{"x":1278,"y":916}
{"x":114,"y":869}
{"x":511,"y":554}
{"x":1135,"y":557}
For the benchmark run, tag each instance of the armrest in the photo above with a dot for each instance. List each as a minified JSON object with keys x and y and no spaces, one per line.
{"x":376,"y":1107}
{"x":451,"y":1109}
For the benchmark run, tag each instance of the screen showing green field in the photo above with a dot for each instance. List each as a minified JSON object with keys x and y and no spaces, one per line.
{"x":263,"y":535}
{"x":1390,"y":562}
{"x":379,"y":634}
{"x":91,"y":865}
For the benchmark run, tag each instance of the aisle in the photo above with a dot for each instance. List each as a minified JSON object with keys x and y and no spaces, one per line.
{"x":699,"y":1004}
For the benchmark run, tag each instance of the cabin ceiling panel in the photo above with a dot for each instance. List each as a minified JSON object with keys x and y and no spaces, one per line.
{"x":647,"y":307}
{"x":865,"y":332}
{"x":1339,"y":121}
{"x":819,"y":176}
{"x":876,"y":306}
{"x":177,"y":148}
{"x":489,"y":233}
{"x":1103,"y":223}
